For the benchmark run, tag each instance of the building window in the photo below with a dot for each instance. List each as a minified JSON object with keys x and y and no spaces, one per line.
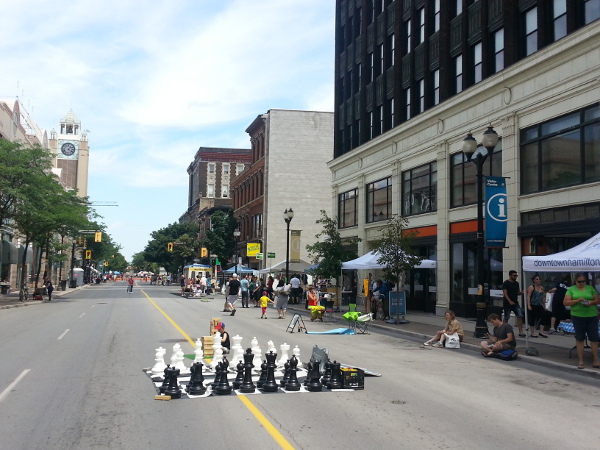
{"x":559,"y":11}
{"x":211,"y":168}
{"x":436,"y":16}
{"x":371,"y":68}
{"x":477,"y":71}
{"x":379,"y":200}
{"x":348,"y":209}
{"x":421,"y":15}
{"x":458,"y":74}
{"x":239,"y":168}
{"x":381,"y":120}
{"x":391,"y":110}
{"x":225,"y":191}
{"x":371,"y":131}
{"x":562,"y":152}
{"x":419,"y":187}
{"x":531,"y":32}
{"x":499,"y":50}
{"x":407,"y":99}
{"x":421,"y":95}
{"x":391,"y":49}
{"x":436,"y":87}
{"x":210,"y":190}
{"x":381,"y":60}
{"x":407,"y":34}
{"x":457,"y":7}
{"x":463,"y":175}
{"x":225,"y":168}
{"x":592,"y":11}
{"x":357,"y":76}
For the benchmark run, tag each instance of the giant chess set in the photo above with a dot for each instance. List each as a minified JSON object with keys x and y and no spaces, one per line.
{"x":253,"y":375}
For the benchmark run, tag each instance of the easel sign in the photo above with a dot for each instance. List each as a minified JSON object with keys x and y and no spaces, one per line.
{"x":397,"y":302}
{"x":296,"y":320}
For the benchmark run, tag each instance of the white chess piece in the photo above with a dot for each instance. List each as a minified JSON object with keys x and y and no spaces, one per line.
{"x":257,"y":361}
{"x":253,"y":344}
{"x":271,"y":347}
{"x":198,"y":351}
{"x":183,"y":370}
{"x":217,"y":352}
{"x":176,"y":348}
{"x":284,"y":354}
{"x":159,"y":366}
{"x":237,"y":351}
{"x":296,"y":353}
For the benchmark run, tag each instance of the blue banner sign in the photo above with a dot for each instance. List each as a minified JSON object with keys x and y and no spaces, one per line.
{"x":397,"y":303}
{"x":496,"y":212}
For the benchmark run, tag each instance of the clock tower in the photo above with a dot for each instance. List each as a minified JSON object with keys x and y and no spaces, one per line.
{"x":71,"y":149}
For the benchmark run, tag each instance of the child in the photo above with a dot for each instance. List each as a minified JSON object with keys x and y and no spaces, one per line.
{"x":264,"y":301}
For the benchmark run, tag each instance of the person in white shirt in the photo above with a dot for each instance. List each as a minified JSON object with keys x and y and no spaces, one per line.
{"x":295,"y":291}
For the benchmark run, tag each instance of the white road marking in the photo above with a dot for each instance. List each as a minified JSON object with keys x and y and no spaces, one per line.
{"x":63,"y":335}
{"x":82,"y":314}
{"x":93,"y":306}
{"x":11,"y":386}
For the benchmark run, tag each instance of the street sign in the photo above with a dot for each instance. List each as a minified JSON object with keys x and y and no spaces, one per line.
{"x":270,"y":255}
{"x":259,"y":256}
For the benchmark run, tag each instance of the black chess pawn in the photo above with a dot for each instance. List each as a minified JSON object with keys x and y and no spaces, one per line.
{"x":223,"y":388}
{"x":196,"y":384}
{"x":286,"y":374}
{"x":335,"y":382}
{"x":239,"y":378}
{"x":270,"y":385}
{"x":263,"y":375}
{"x":309,"y":367}
{"x":217,"y":379}
{"x":327,"y":375}
{"x":292,"y":383}
{"x":163,"y":387}
{"x":313,"y":378}
{"x":173,"y":390}
{"x":248,"y":387}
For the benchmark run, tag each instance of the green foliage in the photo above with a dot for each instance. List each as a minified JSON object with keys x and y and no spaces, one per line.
{"x":394,"y":245}
{"x":331,"y":250}
{"x":186,"y":247}
{"x":219,"y":239}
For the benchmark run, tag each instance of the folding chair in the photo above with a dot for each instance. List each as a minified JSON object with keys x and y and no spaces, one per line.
{"x":361,"y":325}
{"x":352,"y":307}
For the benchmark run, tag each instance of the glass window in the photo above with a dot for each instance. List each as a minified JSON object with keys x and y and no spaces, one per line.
{"x":458,"y":74}
{"x":381,"y":120}
{"x":457,"y":7}
{"x":211,"y":168}
{"x":560,"y":19}
{"x":421,"y":95}
{"x":210,"y":191}
{"x":592,"y":11}
{"x":499,"y":50}
{"x":391,"y":110}
{"x":477,"y":72}
{"x":391,"y":49}
{"x":348,"y":209}
{"x":407,"y":34}
{"x":419,"y":188}
{"x":531,"y":31}
{"x":239,"y":168}
{"x":421,"y":15}
{"x":379,"y":200}
{"x":225,"y":168}
{"x":436,"y":87}
{"x":436,"y":16}
{"x":225,"y":191}
{"x":407,"y":98}
{"x":371,"y":131}
{"x":562,"y":152}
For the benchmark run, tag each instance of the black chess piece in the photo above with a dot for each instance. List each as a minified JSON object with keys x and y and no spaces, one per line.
{"x":173,"y":390}
{"x":239,"y":378}
{"x":313,"y":378}
{"x":196,"y":384}
{"x":217,"y":379}
{"x":248,"y":387}
{"x":292,"y":383}
{"x":163,"y":387}
{"x":270,"y":385}
{"x":327,"y":375}
{"x":263,"y":375}
{"x":335,"y":382}
{"x":286,"y":374}
{"x":223,"y":388}
{"x":309,"y":367}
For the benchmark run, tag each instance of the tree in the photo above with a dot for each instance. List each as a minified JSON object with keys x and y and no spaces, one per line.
{"x":331,"y":250}
{"x":184,"y":234}
{"x":219,"y":239}
{"x":394,"y":246}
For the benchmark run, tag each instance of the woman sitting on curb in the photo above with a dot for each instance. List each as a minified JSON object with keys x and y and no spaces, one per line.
{"x":453,"y":326}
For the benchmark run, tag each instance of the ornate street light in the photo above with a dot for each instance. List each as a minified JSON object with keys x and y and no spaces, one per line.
{"x":236,"y":235}
{"x":469,"y":147}
{"x":288,"y":215}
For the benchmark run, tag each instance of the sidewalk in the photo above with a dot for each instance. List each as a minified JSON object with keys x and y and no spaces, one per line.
{"x":553,"y":351}
{"x":11,"y":300}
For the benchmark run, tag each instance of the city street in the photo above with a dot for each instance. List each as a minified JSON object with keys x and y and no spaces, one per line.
{"x":71,"y":378}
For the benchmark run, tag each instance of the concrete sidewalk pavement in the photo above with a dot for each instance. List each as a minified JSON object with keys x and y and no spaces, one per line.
{"x":11,"y":300}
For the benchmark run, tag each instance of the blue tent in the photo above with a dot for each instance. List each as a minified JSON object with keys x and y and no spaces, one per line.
{"x":238,"y":269}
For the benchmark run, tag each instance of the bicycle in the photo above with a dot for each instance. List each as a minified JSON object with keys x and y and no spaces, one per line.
{"x":377,"y":308}
{"x":24,"y":293}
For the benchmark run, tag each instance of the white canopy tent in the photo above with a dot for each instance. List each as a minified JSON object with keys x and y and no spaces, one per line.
{"x":369,"y":261}
{"x":584,"y":257}
{"x":296,"y":266}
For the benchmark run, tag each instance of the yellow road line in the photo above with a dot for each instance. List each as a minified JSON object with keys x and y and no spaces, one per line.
{"x":276,"y":435}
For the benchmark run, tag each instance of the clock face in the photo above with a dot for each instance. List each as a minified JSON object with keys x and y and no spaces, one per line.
{"x":67,"y":149}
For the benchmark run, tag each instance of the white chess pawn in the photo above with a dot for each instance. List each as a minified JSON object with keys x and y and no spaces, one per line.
{"x":284,"y":354}
{"x":271,"y":347}
{"x":257,"y":361}
{"x":237,"y":351}
{"x":296,"y":353}
{"x":159,"y":366}
{"x":253,"y":344}
{"x":198,"y":352}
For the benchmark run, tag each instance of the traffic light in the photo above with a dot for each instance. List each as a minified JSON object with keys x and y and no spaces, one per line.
{"x":170,"y":247}
{"x":106,"y":263}
{"x":88,"y":254}
{"x":98,"y":236}
{"x":204,"y":252}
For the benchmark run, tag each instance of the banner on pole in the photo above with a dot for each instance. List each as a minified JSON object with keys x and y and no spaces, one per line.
{"x":496,"y":208}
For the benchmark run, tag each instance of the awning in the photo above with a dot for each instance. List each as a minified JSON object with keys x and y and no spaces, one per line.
{"x":584,"y":257}
{"x":29,"y":257}
{"x":10,"y":253}
{"x":296,"y":266}
{"x":369,"y":261}
{"x":238,"y":269}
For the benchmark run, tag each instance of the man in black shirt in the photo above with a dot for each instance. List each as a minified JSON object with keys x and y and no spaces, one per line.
{"x":233,"y":288}
{"x":503,"y":337}
{"x":510,"y":292}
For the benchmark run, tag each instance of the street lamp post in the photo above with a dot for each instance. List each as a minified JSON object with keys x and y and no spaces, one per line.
{"x":469,"y":147}
{"x":288,"y":215}
{"x":236,"y":235}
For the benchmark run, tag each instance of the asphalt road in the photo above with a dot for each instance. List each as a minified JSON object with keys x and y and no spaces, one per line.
{"x":71,"y":378}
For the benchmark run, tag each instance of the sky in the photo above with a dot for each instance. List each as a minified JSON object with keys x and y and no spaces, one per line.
{"x":154,"y":80}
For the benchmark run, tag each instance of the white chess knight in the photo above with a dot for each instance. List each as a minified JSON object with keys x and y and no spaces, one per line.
{"x":271,"y":347}
{"x":179,"y":364}
{"x":159,"y":365}
{"x":176,"y":348}
{"x":237,"y":351}
{"x":296,"y":353}
{"x":285,"y":348}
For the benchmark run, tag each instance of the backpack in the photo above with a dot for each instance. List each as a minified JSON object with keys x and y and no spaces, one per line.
{"x":506,"y":355}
